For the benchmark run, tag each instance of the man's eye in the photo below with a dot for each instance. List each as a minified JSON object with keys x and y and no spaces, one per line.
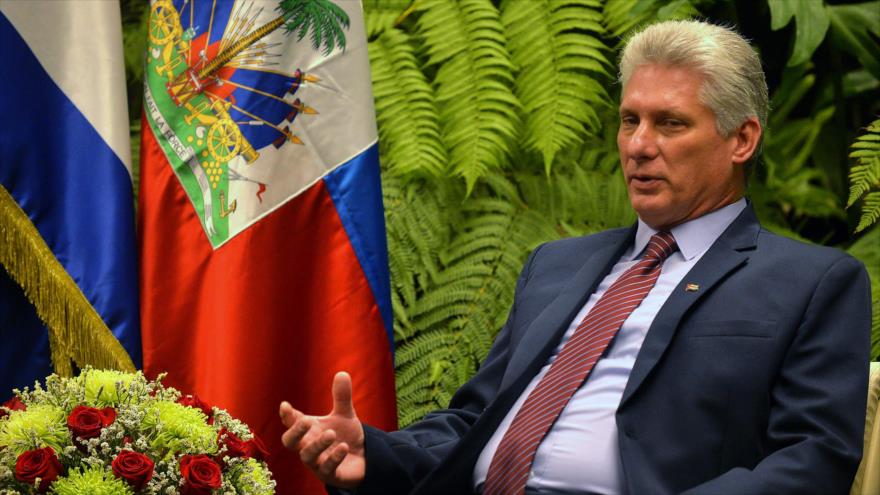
{"x":673,"y":123}
{"x":629,"y":120}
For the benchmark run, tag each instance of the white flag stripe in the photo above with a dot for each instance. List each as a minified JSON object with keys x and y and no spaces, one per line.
{"x":94,"y":27}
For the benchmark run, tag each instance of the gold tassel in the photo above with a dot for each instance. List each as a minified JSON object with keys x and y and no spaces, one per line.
{"x":77,"y":334}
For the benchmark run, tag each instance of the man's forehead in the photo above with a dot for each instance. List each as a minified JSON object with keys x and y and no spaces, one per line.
{"x":657,"y":78}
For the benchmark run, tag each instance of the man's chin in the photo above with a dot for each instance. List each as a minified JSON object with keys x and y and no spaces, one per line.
{"x":652,"y":212}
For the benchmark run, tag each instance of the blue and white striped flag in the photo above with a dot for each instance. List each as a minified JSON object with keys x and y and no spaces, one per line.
{"x":66,"y":210}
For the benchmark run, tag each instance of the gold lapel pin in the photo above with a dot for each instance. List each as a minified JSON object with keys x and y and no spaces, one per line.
{"x":691,"y":287}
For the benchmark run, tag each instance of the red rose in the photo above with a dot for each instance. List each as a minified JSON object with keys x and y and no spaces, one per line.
{"x":235,"y":447}
{"x":133,"y":467}
{"x":40,"y":463}
{"x":13,"y":404}
{"x":87,"y":422}
{"x":201,"y":473}
{"x":194,"y":401}
{"x":258,"y":449}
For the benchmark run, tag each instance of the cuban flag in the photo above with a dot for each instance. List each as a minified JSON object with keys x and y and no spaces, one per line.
{"x":262,"y":238}
{"x":67,"y":245}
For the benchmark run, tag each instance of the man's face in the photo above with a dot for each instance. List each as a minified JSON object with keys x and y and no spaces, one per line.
{"x":676,"y":165}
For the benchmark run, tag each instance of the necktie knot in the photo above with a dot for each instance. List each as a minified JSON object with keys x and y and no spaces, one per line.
{"x":661,"y":245}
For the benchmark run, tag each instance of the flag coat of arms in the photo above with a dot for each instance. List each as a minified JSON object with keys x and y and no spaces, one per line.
{"x":263,"y":256}
{"x":67,"y":237}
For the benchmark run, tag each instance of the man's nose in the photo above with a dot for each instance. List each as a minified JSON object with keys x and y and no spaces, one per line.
{"x":642,"y":143}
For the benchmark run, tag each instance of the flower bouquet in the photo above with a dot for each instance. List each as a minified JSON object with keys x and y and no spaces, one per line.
{"x":108,"y":433}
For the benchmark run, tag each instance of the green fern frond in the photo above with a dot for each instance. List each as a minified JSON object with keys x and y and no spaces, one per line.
{"x":581,"y":201}
{"x":478,"y":109}
{"x":418,"y":219}
{"x":406,"y":112}
{"x":457,"y":319}
{"x":864,"y":176}
{"x":870,"y":211}
{"x":623,"y":15}
{"x":867,"y":250}
{"x":551,"y":41}
{"x":380,"y":15}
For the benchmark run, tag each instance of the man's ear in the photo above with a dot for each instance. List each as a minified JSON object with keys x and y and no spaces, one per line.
{"x":747,"y":136}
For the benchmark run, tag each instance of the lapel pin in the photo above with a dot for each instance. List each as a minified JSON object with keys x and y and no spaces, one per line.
{"x":691,"y":287}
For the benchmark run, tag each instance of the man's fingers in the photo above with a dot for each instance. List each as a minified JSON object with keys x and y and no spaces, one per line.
{"x":287,"y":413}
{"x":333,"y":458}
{"x":299,"y":426}
{"x":342,"y":395}
{"x":310,"y":452}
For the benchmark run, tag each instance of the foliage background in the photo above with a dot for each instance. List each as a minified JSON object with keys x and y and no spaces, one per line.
{"x":497,"y":123}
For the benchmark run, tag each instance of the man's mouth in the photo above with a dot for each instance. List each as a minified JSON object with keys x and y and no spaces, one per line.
{"x":645,"y":181}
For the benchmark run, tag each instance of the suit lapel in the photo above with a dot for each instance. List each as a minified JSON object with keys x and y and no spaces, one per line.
{"x":727,"y":254}
{"x":547,"y":328}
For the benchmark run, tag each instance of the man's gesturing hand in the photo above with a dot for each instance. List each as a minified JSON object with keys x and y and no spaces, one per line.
{"x":331,"y":446}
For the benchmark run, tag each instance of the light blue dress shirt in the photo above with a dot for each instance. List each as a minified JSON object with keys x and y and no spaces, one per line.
{"x":579,"y":455}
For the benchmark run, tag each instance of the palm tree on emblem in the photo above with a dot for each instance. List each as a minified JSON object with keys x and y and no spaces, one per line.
{"x":325,"y":21}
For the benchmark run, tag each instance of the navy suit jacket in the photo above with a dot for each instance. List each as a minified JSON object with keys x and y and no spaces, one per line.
{"x":755,"y":383}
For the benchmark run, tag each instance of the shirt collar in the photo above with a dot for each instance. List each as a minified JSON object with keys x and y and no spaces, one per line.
{"x":694,"y":236}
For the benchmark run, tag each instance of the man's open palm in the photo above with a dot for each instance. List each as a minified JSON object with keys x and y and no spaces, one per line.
{"x":331,"y":446}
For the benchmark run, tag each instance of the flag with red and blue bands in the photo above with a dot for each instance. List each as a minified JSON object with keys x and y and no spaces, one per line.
{"x":263,"y":258}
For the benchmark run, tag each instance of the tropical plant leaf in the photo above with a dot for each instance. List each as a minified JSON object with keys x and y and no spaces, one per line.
{"x":855,"y":29}
{"x":796,"y":82}
{"x":811,"y":25}
{"x":790,"y":183}
{"x":322,"y":18}
{"x":380,"y":15}
{"x":478,"y":109}
{"x":551,"y":42}
{"x":406,"y":110}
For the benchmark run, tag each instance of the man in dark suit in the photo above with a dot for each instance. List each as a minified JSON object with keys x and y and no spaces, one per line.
{"x":695,"y":352}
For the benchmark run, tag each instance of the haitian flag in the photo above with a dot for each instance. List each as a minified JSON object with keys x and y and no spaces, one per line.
{"x":67,"y":245}
{"x":263,"y":256}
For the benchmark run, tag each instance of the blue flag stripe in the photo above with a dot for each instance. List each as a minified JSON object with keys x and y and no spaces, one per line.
{"x":356,"y":190}
{"x":73,"y":187}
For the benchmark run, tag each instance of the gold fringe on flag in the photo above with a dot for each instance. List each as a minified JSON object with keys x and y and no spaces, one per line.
{"x":76,"y":332}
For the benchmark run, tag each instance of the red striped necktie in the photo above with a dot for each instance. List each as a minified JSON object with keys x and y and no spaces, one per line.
{"x":509,"y":470}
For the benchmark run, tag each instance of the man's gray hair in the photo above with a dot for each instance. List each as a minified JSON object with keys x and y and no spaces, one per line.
{"x":734,"y":88}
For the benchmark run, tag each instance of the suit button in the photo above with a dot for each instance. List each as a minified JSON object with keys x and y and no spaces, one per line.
{"x":628,"y":431}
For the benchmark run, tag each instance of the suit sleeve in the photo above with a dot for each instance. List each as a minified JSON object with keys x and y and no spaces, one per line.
{"x":815,"y":429}
{"x":397,"y":461}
